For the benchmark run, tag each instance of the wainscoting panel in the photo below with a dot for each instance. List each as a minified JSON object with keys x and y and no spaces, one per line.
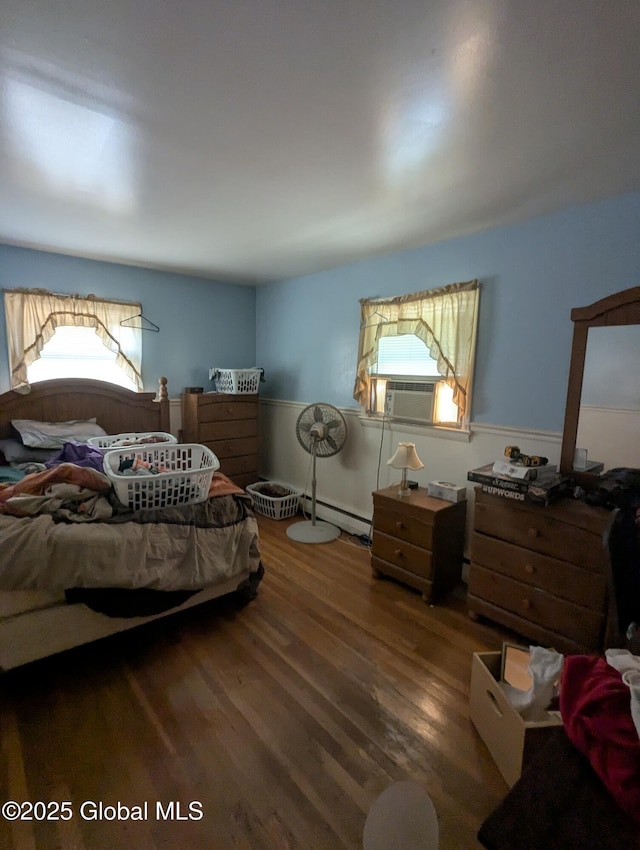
{"x":346,"y":480}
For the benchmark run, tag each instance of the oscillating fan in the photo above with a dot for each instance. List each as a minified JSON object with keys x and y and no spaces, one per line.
{"x":321,"y":430}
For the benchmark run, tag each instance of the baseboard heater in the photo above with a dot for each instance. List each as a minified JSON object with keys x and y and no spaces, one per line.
{"x":339,"y":510}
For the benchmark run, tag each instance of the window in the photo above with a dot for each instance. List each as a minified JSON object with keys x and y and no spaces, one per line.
{"x":404,"y":355}
{"x":77,"y":353}
{"x":415,"y":354}
{"x":51,"y":335}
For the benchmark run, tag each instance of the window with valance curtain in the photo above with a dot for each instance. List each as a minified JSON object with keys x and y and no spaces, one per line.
{"x":444,"y":319}
{"x":32,"y":316}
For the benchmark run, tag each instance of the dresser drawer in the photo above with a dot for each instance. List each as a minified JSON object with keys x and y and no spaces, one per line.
{"x":543,"y":532}
{"x":411,"y":558}
{"x":407,"y":527}
{"x":582,"y":587}
{"x":217,"y":411}
{"x":232,"y":429}
{"x":530,"y":603}
{"x":233,"y":448}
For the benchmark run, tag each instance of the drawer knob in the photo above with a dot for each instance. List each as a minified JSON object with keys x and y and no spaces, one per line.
{"x":399,"y":553}
{"x":533,"y":532}
{"x":399,"y":525}
{"x":529,"y":568}
{"x":526,"y":604}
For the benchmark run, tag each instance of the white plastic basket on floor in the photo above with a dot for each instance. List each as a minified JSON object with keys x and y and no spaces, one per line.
{"x":236,"y":380}
{"x":121,"y":441}
{"x":184,"y":474}
{"x":272,"y":506}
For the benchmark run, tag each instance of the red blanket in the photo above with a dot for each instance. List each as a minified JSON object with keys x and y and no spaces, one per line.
{"x":596,"y":709}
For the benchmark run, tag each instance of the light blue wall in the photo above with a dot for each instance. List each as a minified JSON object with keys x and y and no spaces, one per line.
{"x":532,"y":274}
{"x":202,"y":323}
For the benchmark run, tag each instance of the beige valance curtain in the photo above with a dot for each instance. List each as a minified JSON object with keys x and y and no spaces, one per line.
{"x":32,"y":315}
{"x":444,"y":319}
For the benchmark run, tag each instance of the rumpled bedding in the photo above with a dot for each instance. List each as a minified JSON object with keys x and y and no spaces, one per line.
{"x":67,"y":492}
{"x":54,"y":536}
{"x":596,"y":710}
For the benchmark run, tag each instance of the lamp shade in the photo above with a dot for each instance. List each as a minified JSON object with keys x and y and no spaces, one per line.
{"x":405,"y":457}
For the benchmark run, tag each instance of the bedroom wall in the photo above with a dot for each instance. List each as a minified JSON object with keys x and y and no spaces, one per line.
{"x":532,"y":275}
{"x":202,"y":322}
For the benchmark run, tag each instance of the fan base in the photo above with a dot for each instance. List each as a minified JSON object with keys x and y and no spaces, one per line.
{"x":307,"y":532}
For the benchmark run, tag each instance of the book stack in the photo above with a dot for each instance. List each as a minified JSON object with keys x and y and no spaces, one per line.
{"x":540,"y":484}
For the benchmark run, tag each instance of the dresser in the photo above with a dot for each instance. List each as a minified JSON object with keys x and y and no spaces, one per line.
{"x":228,"y":425}
{"x":418,"y":540}
{"x":541,"y":571}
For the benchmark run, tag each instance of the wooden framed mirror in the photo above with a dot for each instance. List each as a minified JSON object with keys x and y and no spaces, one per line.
{"x":603,"y":395}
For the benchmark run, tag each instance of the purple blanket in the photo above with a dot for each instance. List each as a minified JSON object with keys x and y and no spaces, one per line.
{"x":80,"y":454}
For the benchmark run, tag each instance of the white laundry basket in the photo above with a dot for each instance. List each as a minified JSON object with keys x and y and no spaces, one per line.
{"x":183,"y":477}
{"x":236,"y":380}
{"x":139,"y":438}
{"x":275,"y":507}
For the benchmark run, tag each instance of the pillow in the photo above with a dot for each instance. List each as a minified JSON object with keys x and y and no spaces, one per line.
{"x":53,"y":435}
{"x":15,"y":452}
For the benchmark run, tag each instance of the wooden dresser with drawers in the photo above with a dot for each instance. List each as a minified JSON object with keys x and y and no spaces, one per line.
{"x":228,"y":425}
{"x":540,"y":570}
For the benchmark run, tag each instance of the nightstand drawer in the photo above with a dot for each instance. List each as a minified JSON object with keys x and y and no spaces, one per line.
{"x":411,"y":558}
{"x":407,"y":527}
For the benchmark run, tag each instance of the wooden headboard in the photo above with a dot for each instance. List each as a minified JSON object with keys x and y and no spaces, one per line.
{"x":117,"y":410}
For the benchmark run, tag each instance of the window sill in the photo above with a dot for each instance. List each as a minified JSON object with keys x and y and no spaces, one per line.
{"x":462,"y":435}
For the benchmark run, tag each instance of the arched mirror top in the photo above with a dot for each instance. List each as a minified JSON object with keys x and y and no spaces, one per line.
{"x":602,"y":416}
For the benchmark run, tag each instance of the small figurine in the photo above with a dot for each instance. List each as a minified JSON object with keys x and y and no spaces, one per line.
{"x":514,"y":454}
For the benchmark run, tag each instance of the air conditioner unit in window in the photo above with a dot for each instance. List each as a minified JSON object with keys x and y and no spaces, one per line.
{"x":411,"y":399}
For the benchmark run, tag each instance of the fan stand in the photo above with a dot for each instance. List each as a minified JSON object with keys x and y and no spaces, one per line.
{"x":312,"y":531}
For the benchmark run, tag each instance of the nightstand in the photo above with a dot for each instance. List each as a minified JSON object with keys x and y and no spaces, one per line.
{"x":418,"y":540}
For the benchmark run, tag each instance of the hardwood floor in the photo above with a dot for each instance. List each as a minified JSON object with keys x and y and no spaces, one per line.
{"x":284,"y":719}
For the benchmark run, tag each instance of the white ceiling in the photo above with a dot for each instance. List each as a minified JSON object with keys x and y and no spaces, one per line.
{"x":252,"y":140}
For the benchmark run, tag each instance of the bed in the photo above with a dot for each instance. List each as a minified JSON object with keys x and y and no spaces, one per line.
{"x":64,"y":583}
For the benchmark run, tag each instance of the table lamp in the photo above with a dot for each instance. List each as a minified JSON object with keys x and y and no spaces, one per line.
{"x":405,"y":457}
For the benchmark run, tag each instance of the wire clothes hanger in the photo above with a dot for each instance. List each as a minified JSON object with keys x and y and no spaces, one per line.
{"x":383,"y":321}
{"x":144,"y":323}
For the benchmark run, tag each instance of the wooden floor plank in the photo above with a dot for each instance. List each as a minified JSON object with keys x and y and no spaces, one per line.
{"x":285,"y":719}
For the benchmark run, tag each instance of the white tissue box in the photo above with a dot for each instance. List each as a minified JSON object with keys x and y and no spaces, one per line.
{"x":510,"y":740}
{"x":446,"y":490}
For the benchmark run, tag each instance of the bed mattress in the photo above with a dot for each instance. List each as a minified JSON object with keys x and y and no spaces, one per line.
{"x":17,"y":602}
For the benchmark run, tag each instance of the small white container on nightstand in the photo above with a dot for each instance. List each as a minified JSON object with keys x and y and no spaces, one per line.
{"x":446,"y":490}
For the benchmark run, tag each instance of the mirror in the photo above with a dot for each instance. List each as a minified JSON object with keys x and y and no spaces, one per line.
{"x":603,"y":397}
{"x":609,"y":416}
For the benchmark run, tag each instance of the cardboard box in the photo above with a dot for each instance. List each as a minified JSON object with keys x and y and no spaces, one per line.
{"x":510,"y":740}
{"x":446,"y":490}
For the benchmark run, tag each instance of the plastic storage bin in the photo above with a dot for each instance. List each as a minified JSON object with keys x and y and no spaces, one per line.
{"x":236,"y":380}
{"x":186,"y":470}
{"x":272,"y":506}
{"x":122,"y":441}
